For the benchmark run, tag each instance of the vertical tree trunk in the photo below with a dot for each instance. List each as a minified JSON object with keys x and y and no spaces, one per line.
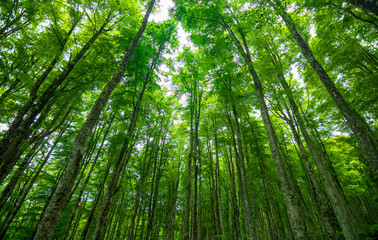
{"x":295,"y":216}
{"x":364,"y":135}
{"x":239,"y":160}
{"x":59,"y":199}
{"x":218,"y":190}
{"x":197,"y":113}
{"x":186,"y":222}
{"x":155,"y":191}
{"x":79,"y":215}
{"x":95,"y":202}
{"x":78,"y":200}
{"x":337,"y":199}
{"x":233,"y":198}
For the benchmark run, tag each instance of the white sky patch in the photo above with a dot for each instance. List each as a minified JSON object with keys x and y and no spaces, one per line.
{"x":312,"y":31}
{"x":163,"y":13}
{"x":3,"y":127}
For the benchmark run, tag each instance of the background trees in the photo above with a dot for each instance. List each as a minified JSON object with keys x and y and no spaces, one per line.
{"x":266,"y":129}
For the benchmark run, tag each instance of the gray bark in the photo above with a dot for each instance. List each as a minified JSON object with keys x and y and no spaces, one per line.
{"x":50,"y":217}
{"x":364,"y":135}
{"x":218,"y":188}
{"x":295,"y":216}
{"x":337,"y":199}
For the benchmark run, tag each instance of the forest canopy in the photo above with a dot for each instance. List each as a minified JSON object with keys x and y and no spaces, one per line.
{"x":261,"y":125}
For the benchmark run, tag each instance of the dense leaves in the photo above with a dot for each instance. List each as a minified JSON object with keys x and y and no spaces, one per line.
{"x":264,"y":128}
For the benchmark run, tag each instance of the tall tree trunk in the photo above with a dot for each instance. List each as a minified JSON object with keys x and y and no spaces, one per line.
{"x":337,"y":199}
{"x":218,"y":187}
{"x":121,"y":161}
{"x":250,"y":228}
{"x":233,"y":198}
{"x":171,"y":212}
{"x":139,"y":193}
{"x":295,"y":216}
{"x":214,"y":229}
{"x":186,"y":222}
{"x":239,"y":160}
{"x":78,"y":200}
{"x":95,"y":202}
{"x":197,"y":113}
{"x":364,"y":135}
{"x":50,"y":217}
{"x":155,"y":191}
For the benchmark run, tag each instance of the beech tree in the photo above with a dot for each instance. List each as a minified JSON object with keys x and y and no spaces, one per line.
{"x":262,"y":125}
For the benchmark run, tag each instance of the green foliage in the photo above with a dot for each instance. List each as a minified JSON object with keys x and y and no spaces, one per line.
{"x":209,"y":79}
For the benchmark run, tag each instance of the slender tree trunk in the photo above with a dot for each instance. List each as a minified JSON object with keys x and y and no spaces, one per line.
{"x":79,"y":215}
{"x":295,"y":216}
{"x":364,"y":135}
{"x":95,"y":203}
{"x":239,"y":160}
{"x":233,"y":198}
{"x":59,"y":199}
{"x":78,"y":200}
{"x":215,"y":226}
{"x":245,"y":196}
{"x":186,"y":222}
{"x":171,"y":212}
{"x":337,"y":199}
{"x":197,"y":113}
{"x":219,"y":189}
{"x":155,"y":192}
{"x":139,"y":193}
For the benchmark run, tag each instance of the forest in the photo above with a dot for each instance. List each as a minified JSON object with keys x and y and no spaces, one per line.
{"x":262,"y":124}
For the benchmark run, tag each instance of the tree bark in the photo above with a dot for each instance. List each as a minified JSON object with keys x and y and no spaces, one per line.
{"x":78,"y":200}
{"x":364,"y":135}
{"x":339,"y":204}
{"x":218,"y":190}
{"x":49,"y":219}
{"x":295,"y":216}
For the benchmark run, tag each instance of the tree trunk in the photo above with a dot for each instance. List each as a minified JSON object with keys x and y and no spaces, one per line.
{"x":364,"y":135}
{"x":186,"y":222}
{"x":59,"y":199}
{"x":295,"y":216}
{"x":218,"y":189}
{"x":78,"y":200}
{"x":337,"y":199}
{"x":233,"y":198}
{"x":95,"y":202}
